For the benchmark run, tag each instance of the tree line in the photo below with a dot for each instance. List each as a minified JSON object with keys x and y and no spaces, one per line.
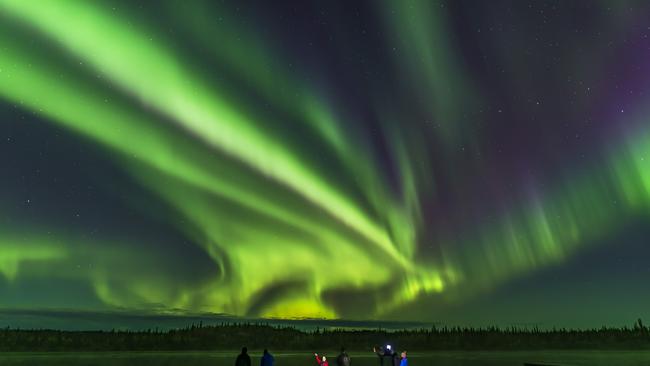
{"x":232,"y":336}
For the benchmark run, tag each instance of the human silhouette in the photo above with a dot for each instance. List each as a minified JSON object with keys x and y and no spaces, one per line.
{"x":267,"y":359}
{"x":392,"y":356}
{"x":343,"y":359}
{"x":322,"y":361}
{"x":404,"y":361}
{"x":379,"y":351}
{"x":386,"y":353}
{"x":243,"y":359}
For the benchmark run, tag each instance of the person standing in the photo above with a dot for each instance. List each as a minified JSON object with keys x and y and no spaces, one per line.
{"x":343,"y":359}
{"x":380,"y":353}
{"x":392,"y":355}
{"x":404,"y":361}
{"x":386,"y":353}
{"x":243,"y":359}
{"x":267,"y":359}
{"x":322,"y":361}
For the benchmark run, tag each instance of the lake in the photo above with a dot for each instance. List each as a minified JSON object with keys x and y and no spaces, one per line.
{"x":592,"y":358}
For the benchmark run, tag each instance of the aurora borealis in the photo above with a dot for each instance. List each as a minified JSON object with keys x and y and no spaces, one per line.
{"x":385,"y":160}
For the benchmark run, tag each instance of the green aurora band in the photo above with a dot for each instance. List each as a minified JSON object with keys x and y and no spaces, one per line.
{"x":252,"y":196}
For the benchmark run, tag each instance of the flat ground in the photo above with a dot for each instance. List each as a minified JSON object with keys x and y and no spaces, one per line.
{"x":591,"y":358}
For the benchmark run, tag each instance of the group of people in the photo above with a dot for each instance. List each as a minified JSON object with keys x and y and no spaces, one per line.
{"x":343,"y":359}
{"x":386,"y":354}
{"x":245,"y":360}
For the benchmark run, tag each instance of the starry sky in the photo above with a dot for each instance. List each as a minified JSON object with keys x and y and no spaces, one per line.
{"x":462,"y":162}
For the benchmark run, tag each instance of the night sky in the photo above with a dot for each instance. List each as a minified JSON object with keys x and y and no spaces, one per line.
{"x":462,"y":162}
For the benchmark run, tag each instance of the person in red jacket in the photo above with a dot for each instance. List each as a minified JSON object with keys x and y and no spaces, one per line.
{"x":322,"y":361}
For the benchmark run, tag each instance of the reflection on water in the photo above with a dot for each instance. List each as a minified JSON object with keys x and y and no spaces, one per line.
{"x":591,"y":358}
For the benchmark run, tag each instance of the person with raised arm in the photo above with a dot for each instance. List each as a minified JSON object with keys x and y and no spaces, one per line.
{"x":322,"y":361}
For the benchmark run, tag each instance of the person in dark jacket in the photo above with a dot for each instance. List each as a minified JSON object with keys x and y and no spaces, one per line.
{"x":379,"y":352}
{"x":386,"y":353}
{"x":267,"y":359}
{"x":392,"y":356}
{"x":243,"y":359}
{"x":343,"y":359}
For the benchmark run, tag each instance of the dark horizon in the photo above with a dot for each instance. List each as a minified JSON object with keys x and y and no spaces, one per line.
{"x":75,"y":320}
{"x":230,"y":337}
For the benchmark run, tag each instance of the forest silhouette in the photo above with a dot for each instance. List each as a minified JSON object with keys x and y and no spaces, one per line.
{"x":232,"y":336}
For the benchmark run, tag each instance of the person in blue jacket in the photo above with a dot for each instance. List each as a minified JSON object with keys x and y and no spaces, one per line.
{"x":404,"y":361}
{"x":267,"y":359}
